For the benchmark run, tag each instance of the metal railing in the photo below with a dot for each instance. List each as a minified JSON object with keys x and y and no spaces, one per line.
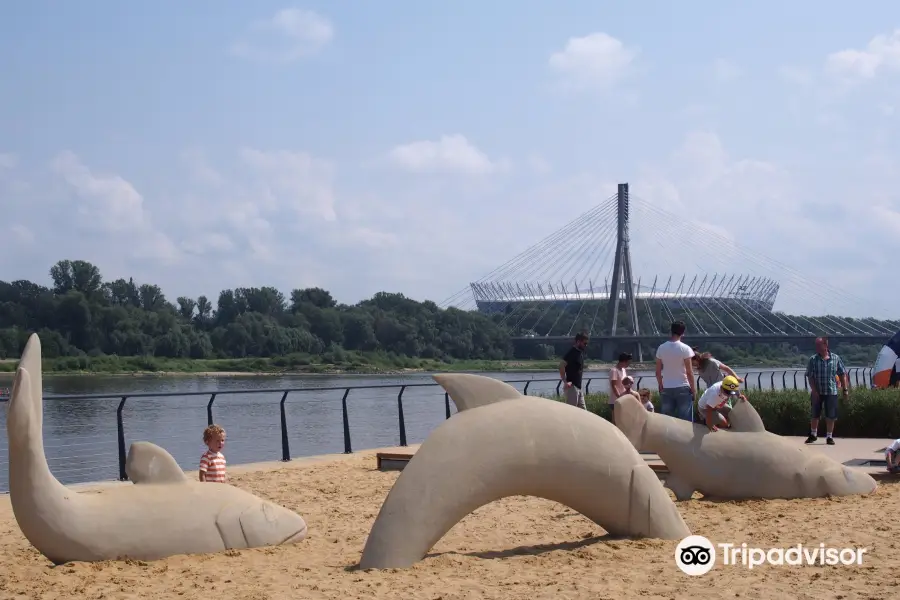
{"x":763,"y":380}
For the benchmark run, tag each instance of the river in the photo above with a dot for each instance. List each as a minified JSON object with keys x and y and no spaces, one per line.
{"x":80,"y":435}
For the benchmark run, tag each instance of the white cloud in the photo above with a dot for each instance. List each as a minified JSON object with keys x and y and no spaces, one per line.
{"x":449,"y":154}
{"x":294,"y":180}
{"x":597,"y":60}
{"x":882,"y":53}
{"x":725,"y":71}
{"x":108,"y":204}
{"x":289,"y":35}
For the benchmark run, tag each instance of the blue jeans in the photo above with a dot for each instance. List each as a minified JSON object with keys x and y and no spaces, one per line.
{"x":677,"y":402}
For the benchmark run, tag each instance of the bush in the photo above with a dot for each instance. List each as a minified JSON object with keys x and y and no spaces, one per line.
{"x":865,"y":414}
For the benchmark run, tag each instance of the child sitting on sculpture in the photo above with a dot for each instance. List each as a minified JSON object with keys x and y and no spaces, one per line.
{"x":212,"y":463}
{"x":892,"y":456}
{"x":715,"y":403}
{"x":644,"y":395}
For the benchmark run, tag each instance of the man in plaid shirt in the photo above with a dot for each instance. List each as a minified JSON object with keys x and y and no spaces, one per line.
{"x":824,"y":370}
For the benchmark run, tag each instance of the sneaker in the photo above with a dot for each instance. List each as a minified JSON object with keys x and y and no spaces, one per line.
{"x":811,"y":439}
{"x":830,"y":441}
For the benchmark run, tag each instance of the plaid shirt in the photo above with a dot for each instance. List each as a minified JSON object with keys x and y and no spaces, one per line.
{"x":824,"y":373}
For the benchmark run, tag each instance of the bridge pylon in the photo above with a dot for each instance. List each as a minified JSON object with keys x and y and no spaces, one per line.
{"x":622,"y":281}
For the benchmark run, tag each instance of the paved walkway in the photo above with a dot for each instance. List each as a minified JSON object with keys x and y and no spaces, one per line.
{"x":848,"y":451}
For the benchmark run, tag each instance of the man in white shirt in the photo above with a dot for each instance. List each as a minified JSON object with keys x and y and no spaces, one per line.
{"x":675,"y":376}
{"x":714,"y":403}
{"x":617,"y":376}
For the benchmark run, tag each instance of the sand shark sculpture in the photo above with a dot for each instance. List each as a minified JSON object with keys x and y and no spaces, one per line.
{"x":163,"y":514}
{"x":501,"y":444}
{"x":745,"y":462}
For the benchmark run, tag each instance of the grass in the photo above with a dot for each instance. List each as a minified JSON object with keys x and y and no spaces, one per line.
{"x":866,"y":413}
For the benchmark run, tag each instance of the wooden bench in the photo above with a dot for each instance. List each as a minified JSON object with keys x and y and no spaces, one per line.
{"x":391,"y":461}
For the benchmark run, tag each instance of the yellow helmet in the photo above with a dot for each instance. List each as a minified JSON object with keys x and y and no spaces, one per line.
{"x":730,"y":384}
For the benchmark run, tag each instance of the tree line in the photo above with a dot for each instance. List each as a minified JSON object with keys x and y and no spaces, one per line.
{"x":80,"y":314}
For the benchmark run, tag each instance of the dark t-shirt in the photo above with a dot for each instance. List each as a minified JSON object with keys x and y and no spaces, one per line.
{"x":574,"y":366}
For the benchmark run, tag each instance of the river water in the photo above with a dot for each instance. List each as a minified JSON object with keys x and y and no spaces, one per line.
{"x":80,"y":437}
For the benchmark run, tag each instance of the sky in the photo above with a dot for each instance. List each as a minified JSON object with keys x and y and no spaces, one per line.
{"x":414,"y":147}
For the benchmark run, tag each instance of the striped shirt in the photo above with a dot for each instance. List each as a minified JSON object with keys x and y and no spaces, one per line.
{"x":213,"y":464}
{"x":824,"y":373}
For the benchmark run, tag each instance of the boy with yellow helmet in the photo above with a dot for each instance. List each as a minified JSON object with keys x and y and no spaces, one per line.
{"x":714,"y":404}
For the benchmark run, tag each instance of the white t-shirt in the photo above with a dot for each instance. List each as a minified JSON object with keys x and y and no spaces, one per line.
{"x":615,"y":374}
{"x":895,"y":446}
{"x":673,"y":354}
{"x":711,"y":398}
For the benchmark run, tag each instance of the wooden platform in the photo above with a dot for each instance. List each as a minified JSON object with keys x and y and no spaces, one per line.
{"x":392,"y":461}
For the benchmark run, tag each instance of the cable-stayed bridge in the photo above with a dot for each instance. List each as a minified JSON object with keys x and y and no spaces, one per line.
{"x":583,"y":278}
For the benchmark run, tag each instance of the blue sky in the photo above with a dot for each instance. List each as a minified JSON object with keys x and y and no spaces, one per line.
{"x":414,"y":147}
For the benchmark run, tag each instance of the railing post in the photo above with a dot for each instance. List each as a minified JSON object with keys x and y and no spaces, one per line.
{"x":120,"y":434}
{"x":558,"y":384}
{"x":525,"y":391}
{"x":285,"y":445}
{"x":784,"y":380}
{"x":347,"y":448}
{"x":857,"y":377}
{"x":795,"y":381}
{"x":772,"y":382}
{"x":759,"y":381}
{"x":209,"y":417}
{"x":746,"y":384}
{"x":447,"y":403}
{"x":639,"y":380}
{"x":400,"y":416}
{"x":587,"y":387}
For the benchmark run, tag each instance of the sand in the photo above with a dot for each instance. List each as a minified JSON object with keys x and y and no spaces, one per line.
{"x":511,"y":549}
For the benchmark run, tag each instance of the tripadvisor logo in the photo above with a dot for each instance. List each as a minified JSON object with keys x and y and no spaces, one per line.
{"x":695,"y":555}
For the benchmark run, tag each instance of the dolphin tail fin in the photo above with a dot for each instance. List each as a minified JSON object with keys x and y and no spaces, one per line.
{"x":681,"y":488}
{"x":24,"y":427}
{"x":30,"y":362}
{"x":148,"y":463}
{"x":631,"y":418}
{"x":743,"y":417}
{"x":471,"y":391}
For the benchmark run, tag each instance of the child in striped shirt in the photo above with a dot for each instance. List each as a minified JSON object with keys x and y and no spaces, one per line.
{"x":212,"y":463}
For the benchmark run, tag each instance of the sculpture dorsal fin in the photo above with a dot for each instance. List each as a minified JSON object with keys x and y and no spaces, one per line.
{"x":471,"y":391}
{"x":743,"y":417}
{"x":148,"y":463}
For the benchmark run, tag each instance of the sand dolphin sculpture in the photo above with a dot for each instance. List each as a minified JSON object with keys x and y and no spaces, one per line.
{"x":743,"y":463}
{"x":165,"y":514}
{"x":499,"y":446}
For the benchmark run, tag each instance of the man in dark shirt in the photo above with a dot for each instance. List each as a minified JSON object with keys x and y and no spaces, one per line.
{"x":571,"y":369}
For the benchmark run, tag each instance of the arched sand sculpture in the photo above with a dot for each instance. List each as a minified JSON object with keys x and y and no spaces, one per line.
{"x":518,"y":446}
{"x":742,"y":463}
{"x":165,"y":514}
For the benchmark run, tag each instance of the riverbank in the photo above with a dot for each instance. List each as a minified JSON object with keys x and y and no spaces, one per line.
{"x":355,"y":364}
{"x":518,"y":547}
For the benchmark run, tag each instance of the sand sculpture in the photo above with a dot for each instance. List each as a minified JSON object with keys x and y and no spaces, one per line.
{"x":501,"y":445}
{"x":163,"y":514}
{"x":745,"y":462}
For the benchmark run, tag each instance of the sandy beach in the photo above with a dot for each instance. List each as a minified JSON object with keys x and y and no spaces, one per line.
{"x":515,"y":548}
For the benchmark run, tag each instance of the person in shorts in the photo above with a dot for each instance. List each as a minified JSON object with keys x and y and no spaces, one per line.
{"x":715,"y":403}
{"x":825,"y":373}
